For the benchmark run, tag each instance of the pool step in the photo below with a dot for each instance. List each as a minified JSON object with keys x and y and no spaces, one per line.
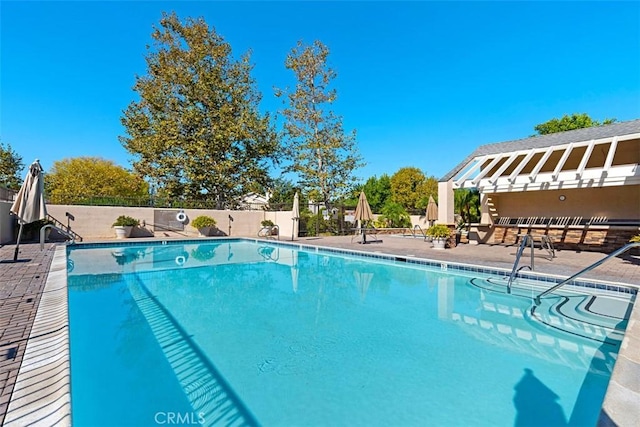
{"x":602,"y":318}
{"x":497,"y":328}
{"x":579,"y":315}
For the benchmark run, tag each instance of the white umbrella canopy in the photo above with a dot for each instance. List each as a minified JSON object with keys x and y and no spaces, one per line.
{"x":295,"y":214}
{"x":29,"y":204}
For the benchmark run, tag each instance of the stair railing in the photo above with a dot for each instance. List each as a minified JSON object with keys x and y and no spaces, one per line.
{"x":64,"y":229}
{"x":59,"y":230}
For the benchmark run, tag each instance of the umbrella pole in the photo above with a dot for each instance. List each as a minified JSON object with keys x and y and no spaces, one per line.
{"x":15,"y":254}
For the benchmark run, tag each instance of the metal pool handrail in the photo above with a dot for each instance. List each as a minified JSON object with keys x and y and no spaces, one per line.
{"x":615,"y":253}
{"x":523,"y":244}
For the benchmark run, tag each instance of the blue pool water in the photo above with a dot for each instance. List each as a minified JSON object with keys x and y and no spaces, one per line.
{"x":238,"y":332}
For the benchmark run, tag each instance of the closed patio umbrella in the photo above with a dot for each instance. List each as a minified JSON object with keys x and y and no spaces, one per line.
{"x":29,"y":204}
{"x":363,"y":213}
{"x":295,"y":214}
{"x":432,"y":211}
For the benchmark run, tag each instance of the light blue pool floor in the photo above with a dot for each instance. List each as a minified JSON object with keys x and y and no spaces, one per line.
{"x":328,"y":340}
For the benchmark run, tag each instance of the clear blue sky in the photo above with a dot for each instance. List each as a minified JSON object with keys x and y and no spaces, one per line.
{"x":423,"y":83}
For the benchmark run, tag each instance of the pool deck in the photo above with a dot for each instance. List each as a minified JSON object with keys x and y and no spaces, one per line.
{"x":22,"y":286}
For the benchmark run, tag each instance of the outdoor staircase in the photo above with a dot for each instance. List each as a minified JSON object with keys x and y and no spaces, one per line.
{"x":65,"y":230}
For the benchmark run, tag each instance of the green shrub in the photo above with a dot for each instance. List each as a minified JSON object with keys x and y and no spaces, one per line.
{"x":203,"y":221}
{"x":126,"y":221}
{"x":267,"y":223}
{"x":394,"y":215}
{"x":381,"y":222}
{"x":316,"y":221}
{"x":439,"y":231}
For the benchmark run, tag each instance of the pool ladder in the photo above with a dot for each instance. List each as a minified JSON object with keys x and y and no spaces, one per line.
{"x":523,"y":244}
{"x":615,"y":253}
{"x":545,"y":243}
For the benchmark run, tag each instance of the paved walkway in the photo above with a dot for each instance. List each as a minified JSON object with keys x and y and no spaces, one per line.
{"x":21,"y":283}
{"x":623,"y":269}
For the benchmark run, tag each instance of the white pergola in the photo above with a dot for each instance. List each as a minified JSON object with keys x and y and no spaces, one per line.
{"x":606,"y":175}
{"x":540,"y":163}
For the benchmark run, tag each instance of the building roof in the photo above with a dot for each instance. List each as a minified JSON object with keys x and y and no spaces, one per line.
{"x":550,"y":140}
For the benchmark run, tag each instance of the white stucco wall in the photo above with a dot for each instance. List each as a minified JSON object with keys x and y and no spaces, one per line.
{"x":7,"y":222}
{"x":94,"y":222}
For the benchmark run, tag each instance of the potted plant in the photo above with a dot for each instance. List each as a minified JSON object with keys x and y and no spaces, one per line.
{"x":123,"y":226}
{"x":204,"y":224}
{"x":267,"y":228}
{"x":439,"y":234}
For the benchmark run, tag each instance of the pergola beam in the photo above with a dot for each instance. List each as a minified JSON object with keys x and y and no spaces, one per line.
{"x":504,"y":167}
{"x":562,"y":161}
{"x":612,"y":151}
{"x":486,"y":170}
{"x":585,"y":159}
{"x":471,"y":170}
{"x":543,"y":160}
{"x":521,"y":166}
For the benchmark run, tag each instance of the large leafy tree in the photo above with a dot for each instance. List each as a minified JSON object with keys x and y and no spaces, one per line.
{"x":411,"y":188}
{"x":428,"y":188}
{"x":10,"y":167}
{"x":78,"y":179}
{"x":378,"y":191}
{"x":196,"y":131}
{"x":319,"y":151}
{"x":566,"y":122}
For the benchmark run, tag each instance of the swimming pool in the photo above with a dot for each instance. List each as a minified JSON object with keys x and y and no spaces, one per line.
{"x":256,"y":333}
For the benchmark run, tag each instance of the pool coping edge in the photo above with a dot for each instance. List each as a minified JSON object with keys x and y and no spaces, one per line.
{"x":621,"y":405}
{"x":42,"y":392}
